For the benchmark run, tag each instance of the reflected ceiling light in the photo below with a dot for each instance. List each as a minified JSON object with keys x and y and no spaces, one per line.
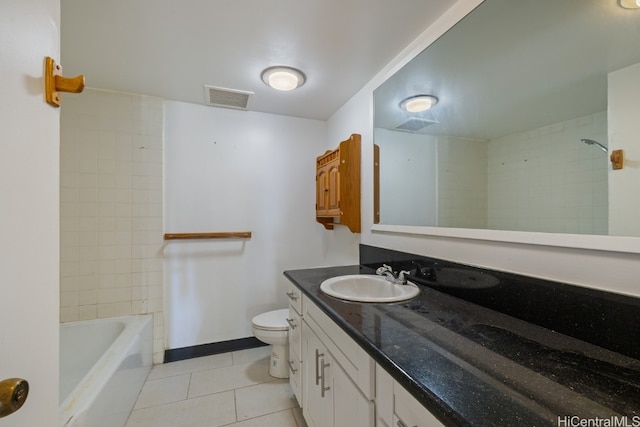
{"x":630,"y":4}
{"x":418,"y":103}
{"x":283,"y":78}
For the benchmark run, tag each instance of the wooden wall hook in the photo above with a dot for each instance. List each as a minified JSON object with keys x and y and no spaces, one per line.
{"x":54,"y":82}
{"x":617,"y":159}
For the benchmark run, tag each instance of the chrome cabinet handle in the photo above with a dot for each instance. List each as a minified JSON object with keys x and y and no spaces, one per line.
{"x":291,"y":323}
{"x":293,"y":370}
{"x":292,"y":296}
{"x":318,"y":356}
{"x":322,"y":378}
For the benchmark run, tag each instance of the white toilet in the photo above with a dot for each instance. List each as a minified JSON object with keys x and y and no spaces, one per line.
{"x":272,"y":328}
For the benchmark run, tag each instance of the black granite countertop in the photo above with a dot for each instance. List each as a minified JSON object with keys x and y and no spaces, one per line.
{"x":472,"y":365}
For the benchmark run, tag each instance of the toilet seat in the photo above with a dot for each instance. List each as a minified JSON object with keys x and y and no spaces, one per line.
{"x":275,"y":320}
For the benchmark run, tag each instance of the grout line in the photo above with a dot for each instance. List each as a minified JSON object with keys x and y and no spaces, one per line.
{"x":235,"y":404}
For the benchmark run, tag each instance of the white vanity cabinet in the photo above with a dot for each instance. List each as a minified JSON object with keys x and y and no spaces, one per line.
{"x":395,"y":407}
{"x":295,"y":341}
{"x":339,"y":376}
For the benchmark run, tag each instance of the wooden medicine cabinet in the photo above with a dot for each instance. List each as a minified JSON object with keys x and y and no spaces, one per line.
{"x":338,"y":186}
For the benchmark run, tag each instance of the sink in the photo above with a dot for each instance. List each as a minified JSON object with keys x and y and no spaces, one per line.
{"x":368,"y":288}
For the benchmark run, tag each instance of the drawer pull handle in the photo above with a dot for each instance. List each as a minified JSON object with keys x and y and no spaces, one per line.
{"x":400,"y":423}
{"x":322,"y":378}
{"x":292,"y":296}
{"x":318,"y":356}
{"x":293,"y":370}
{"x":291,"y":323}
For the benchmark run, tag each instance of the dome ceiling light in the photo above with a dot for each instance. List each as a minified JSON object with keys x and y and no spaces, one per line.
{"x":630,"y":4}
{"x":418,"y":103}
{"x":283,"y":78}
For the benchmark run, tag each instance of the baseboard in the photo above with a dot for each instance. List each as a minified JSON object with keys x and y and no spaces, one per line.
{"x":175,"y":354}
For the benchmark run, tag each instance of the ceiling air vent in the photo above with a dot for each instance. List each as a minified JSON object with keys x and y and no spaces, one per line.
{"x":227,"y":98}
{"x":414,"y":125}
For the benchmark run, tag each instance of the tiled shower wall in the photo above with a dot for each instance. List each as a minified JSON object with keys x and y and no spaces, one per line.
{"x":545,"y":179}
{"x":111,"y":208}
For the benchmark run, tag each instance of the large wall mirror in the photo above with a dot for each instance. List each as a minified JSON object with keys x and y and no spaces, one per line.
{"x":530,"y":97}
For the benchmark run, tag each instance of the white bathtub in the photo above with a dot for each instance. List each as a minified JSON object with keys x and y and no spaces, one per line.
{"x":103,"y":365}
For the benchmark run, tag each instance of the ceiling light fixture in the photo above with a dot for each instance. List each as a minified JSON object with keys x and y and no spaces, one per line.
{"x":283,"y":78}
{"x":630,"y":4}
{"x":418,"y":103}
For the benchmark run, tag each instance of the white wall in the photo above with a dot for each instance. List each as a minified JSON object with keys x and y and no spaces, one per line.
{"x":228,"y":170}
{"x":624,"y":113}
{"x":408,"y":176}
{"x":462,"y":182}
{"x":613,"y":271}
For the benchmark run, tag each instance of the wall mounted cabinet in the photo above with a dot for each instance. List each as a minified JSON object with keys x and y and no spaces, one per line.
{"x":338,"y":186}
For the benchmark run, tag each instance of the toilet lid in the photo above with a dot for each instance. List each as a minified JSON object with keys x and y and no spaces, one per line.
{"x":273,"y":320}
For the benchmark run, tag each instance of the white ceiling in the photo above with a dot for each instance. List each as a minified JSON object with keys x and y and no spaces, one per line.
{"x":172,"y":49}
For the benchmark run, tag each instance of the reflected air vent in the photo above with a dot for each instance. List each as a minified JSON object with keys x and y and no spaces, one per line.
{"x":227,"y":98}
{"x":414,"y":125}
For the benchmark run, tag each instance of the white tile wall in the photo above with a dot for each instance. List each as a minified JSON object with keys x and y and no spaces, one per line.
{"x":111,"y":208}
{"x":545,"y":179}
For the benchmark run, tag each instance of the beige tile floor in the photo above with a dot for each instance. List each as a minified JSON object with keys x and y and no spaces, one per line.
{"x":230,"y":389}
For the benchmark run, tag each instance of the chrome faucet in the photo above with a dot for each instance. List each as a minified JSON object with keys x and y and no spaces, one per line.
{"x":387,"y":271}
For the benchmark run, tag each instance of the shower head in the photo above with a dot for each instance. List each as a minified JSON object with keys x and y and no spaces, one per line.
{"x":592,"y":142}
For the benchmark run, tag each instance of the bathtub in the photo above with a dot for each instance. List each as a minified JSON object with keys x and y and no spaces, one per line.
{"x":103,"y":366}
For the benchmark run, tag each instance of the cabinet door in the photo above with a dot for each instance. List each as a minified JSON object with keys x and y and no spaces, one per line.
{"x":333,"y":193}
{"x":350,"y":407}
{"x":322,"y":190}
{"x":317,"y":387}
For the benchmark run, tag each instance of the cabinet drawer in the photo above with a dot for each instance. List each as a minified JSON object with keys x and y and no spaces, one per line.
{"x":357,"y":364}
{"x":295,"y":330}
{"x":409,"y":412}
{"x":295,"y":298}
{"x":295,"y":375}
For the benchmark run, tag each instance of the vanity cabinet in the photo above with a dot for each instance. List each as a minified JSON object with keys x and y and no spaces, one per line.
{"x":338,"y":186}
{"x":396,"y":407}
{"x":338,"y":377}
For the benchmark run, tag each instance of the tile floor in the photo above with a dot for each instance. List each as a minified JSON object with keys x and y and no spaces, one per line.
{"x":230,"y":389}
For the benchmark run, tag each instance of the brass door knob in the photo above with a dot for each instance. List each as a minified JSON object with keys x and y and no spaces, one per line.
{"x":13,"y":394}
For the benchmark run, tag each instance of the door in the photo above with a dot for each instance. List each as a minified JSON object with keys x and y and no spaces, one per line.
{"x":29,"y":209}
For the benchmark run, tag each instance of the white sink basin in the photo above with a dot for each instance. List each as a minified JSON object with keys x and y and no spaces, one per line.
{"x":368,"y":288}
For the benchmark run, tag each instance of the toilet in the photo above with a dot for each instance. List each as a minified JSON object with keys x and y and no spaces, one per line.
{"x":272,"y":328}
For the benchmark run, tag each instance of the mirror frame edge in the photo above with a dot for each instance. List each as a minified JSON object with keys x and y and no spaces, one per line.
{"x":622,"y":244}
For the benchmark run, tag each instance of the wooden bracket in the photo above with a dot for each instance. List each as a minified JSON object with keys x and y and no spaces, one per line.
{"x":617,"y":159}
{"x":54,"y":82}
